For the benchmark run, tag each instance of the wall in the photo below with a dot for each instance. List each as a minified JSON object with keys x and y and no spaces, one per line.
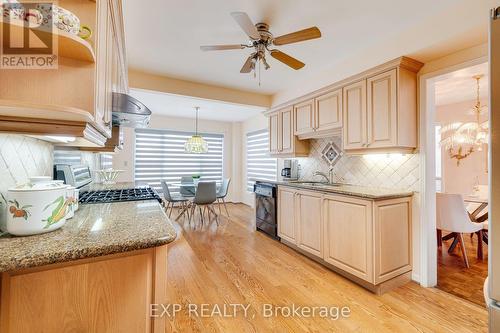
{"x":125,"y":159}
{"x":473,"y":169}
{"x":22,"y":157}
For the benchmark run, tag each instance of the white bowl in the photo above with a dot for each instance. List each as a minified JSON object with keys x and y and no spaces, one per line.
{"x":36,"y":208}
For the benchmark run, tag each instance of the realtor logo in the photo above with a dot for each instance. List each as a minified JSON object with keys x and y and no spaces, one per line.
{"x":29,"y":39}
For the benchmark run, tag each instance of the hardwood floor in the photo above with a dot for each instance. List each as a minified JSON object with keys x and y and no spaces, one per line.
{"x":455,"y":278}
{"x":233,"y":263}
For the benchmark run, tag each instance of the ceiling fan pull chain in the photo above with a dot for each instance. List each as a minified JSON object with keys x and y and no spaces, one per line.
{"x":259,"y":70}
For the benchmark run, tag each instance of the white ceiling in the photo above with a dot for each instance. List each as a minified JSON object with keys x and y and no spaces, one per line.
{"x":163,"y":36}
{"x":459,"y":86}
{"x":183,"y":106}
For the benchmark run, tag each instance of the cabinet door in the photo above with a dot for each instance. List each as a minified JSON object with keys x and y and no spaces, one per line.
{"x":310,"y":223}
{"x":274,"y":133}
{"x":348,"y":235}
{"x":392,"y":231}
{"x":304,"y":117}
{"x":102,"y":69}
{"x":354,"y":107}
{"x":287,"y":136}
{"x":287,"y":229}
{"x":382,"y":110}
{"x":328,"y":111}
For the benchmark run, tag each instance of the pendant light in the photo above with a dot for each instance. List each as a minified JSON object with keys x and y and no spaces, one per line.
{"x":462,"y":139}
{"x":196,"y":144}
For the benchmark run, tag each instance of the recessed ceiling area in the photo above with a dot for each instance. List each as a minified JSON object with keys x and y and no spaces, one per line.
{"x":164,"y":104}
{"x":164,"y":36}
{"x":460,"y":86}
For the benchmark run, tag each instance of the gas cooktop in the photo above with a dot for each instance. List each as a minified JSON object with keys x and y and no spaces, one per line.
{"x":129,"y":194}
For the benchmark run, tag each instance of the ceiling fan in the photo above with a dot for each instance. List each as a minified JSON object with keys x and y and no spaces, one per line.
{"x":261,"y":40}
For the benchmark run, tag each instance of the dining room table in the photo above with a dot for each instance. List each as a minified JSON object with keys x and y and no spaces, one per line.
{"x":188,"y":190}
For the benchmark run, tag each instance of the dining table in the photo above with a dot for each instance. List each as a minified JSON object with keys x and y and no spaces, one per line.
{"x":188,"y":190}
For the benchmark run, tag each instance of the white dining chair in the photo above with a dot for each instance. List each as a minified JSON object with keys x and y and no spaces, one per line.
{"x":452,"y":216}
{"x":222,"y":193}
{"x":170,"y":199}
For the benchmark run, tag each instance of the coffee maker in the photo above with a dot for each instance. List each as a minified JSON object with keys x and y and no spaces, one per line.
{"x":290,"y":170}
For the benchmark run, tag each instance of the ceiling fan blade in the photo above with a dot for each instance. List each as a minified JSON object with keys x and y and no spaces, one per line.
{"x":287,"y":60}
{"x":248,"y":65}
{"x":246,"y":24}
{"x":298,"y":36}
{"x":221,"y":47}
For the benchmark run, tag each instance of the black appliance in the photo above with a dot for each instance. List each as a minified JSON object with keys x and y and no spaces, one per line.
{"x":128,"y":194}
{"x":266,"y":208}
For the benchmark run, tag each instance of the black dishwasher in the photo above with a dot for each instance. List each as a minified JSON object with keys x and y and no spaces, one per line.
{"x":266,"y":208}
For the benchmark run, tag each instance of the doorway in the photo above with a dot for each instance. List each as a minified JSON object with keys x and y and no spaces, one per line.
{"x":448,"y":100}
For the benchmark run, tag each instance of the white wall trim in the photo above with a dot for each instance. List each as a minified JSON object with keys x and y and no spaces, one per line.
{"x":428,"y":243}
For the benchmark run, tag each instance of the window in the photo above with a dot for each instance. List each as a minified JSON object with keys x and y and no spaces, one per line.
{"x":159,"y":155}
{"x":439,"y":170}
{"x":259,"y":165}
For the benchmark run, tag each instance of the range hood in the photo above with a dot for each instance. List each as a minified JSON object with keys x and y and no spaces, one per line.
{"x":129,"y":112}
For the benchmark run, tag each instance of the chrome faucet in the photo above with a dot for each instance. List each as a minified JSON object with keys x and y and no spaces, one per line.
{"x":328,"y":178}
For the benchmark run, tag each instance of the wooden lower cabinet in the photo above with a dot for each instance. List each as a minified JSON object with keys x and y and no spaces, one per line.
{"x":348,"y":235}
{"x":104,"y":294}
{"x":310,"y":222}
{"x":363,"y":239}
{"x":287,"y":229}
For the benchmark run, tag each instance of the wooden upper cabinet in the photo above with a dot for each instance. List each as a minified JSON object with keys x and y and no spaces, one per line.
{"x":348,"y":235}
{"x":104,"y":49}
{"x":382,"y":110}
{"x":287,"y":136}
{"x":274,"y":132}
{"x":328,"y":109}
{"x":304,"y":117}
{"x":282,"y":139}
{"x":76,"y":98}
{"x":310,"y":222}
{"x":355,"y":118}
{"x":384,"y":118}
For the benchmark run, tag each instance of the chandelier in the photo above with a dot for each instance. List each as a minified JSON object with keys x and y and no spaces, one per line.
{"x":462,"y":139}
{"x":196,"y":144}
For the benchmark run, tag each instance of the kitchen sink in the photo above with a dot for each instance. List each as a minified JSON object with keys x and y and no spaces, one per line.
{"x":317,"y":184}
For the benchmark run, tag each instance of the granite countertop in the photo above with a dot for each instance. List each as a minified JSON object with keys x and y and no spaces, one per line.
{"x":373,"y":193}
{"x":95,"y":230}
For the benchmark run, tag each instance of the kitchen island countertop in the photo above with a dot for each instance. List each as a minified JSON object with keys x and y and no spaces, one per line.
{"x":95,"y":230}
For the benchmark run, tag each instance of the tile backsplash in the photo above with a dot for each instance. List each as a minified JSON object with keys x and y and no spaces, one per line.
{"x":395,"y":171}
{"x":21,"y":157}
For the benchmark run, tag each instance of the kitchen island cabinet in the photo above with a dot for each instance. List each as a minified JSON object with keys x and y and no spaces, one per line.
{"x":99,"y":273}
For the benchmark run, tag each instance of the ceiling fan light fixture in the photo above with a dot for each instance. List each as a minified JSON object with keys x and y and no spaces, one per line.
{"x":196,"y":144}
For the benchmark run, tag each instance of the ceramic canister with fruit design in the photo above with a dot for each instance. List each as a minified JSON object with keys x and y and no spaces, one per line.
{"x":37,"y":207}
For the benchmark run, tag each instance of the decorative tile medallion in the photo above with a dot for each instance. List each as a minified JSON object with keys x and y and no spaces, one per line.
{"x":331,"y":153}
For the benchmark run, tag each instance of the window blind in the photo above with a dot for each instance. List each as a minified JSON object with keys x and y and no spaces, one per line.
{"x":259,"y":165}
{"x":65,"y":156}
{"x":106,"y":160}
{"x":160,"y":155}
